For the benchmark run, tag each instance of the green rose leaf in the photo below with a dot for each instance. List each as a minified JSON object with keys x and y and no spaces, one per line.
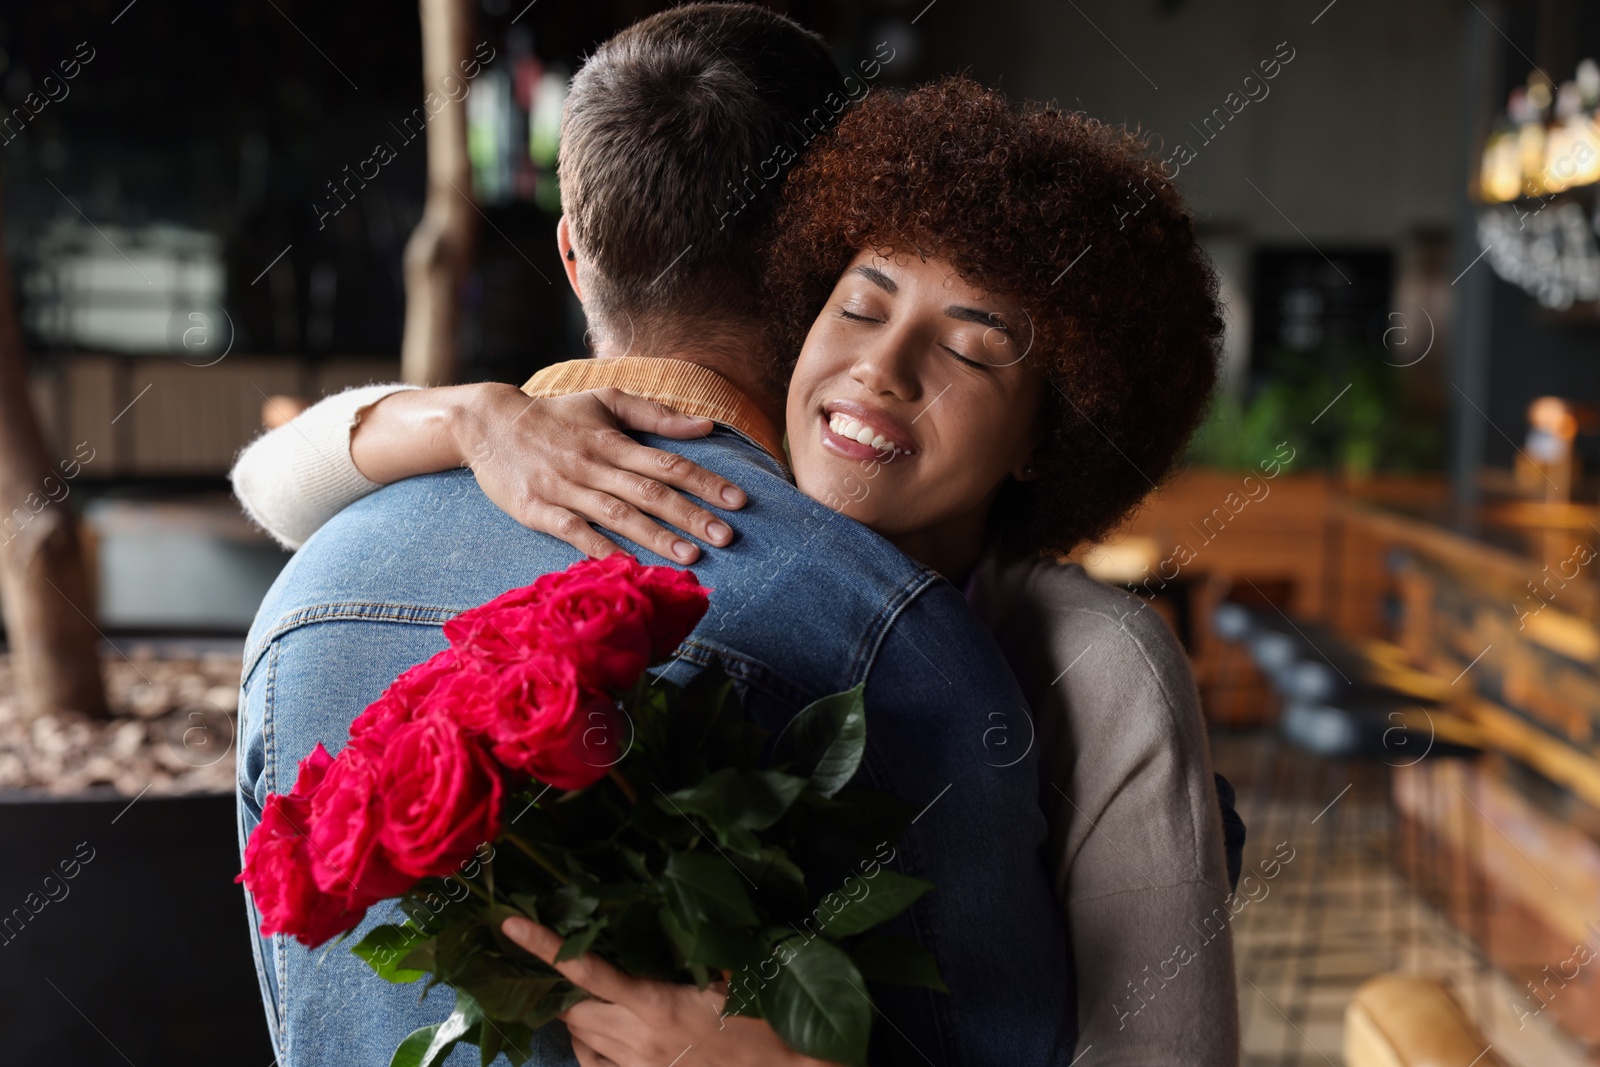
{"x":567,"y":908}
{"x":710,"y":945}
{"x":508,"y":1039}
{"x":414,"y":1047}
{"x":423,"y":958}
{"x":385,"y":948}
{"x":635,"y":863}
{"x":429,"y":1046}
{"x":827,"y":739}
{"x":528,"y":904}
{"x":732,"y":800}
{"x":744,"y":984}
{"x":491,"y":1040}
{"x":897,"y":961}
{"x":818,"y":1002}
{"x":637,"y":940}
{"x":518,"y":995}
{"x":578,"y":943}
{"x":780,"y":886}
{"x":887,"y":895}
{"x":457,"y":944}
{"x":723,"y":949}
{"x":707,"y":888}
{"x":681,"y":937}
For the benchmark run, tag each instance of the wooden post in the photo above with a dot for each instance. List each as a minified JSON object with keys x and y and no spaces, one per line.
{"x":440,"y":250}
{"x":55,"y":652}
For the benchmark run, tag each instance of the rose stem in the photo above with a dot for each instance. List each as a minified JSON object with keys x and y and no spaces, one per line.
{"x":487,"y":897}
{"x":529,"y":851}
{"x":623,"y":784}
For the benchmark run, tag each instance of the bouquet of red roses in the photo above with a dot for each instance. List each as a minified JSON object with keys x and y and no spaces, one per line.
{"x":534,"y":768}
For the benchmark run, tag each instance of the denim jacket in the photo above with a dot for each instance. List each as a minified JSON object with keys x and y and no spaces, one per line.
{"x":804,"y":603}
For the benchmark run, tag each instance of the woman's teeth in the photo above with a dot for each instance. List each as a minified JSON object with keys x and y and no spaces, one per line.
{"x":845,"y":426}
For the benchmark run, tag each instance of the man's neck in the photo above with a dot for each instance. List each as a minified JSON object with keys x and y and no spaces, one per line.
{"x":738,"y":363}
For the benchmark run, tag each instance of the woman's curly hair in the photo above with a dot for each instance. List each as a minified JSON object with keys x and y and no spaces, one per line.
{"x":1044,"y":207}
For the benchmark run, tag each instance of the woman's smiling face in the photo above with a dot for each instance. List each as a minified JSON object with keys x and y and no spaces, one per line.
{"x":912,"y":403}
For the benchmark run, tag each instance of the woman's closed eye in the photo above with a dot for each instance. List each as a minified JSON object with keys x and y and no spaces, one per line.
{"x":857,"y":316}
{"x":979,"y":364}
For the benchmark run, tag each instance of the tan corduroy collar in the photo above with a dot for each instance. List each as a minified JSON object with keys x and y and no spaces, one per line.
{"x":686,"y":387}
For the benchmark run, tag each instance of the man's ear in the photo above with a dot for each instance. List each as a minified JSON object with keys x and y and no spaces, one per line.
{"x":569,"y":256}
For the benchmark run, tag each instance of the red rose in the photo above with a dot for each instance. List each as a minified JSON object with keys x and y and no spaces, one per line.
{"x":554,"y":727}
{"x":680,"y":602}
{"x":441,"y":797}
{"x":592,"y":611}
{"x":277,"y":865}
{"x":677,"y":599}
{"x":347,"y":811}
{"x":409,"y":697}
{"x":612,"y":616}
{"x":501,"y":629}
{"x":471,"y":698}
{"x":601,"y":623}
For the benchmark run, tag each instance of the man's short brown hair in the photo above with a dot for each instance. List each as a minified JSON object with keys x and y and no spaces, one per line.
{"x":663,"y":138}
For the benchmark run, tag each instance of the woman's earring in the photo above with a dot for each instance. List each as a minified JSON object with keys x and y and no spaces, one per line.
{"x":572,"y":257}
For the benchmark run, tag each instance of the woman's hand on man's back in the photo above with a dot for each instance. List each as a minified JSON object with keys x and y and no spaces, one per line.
{"x":556,"y":464}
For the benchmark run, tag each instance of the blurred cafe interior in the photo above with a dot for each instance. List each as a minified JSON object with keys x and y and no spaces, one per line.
{"x":1380,"y":551}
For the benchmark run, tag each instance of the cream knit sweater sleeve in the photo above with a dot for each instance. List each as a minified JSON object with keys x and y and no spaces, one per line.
{"x":1135,"y":846}
{"x":293,"y":479}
